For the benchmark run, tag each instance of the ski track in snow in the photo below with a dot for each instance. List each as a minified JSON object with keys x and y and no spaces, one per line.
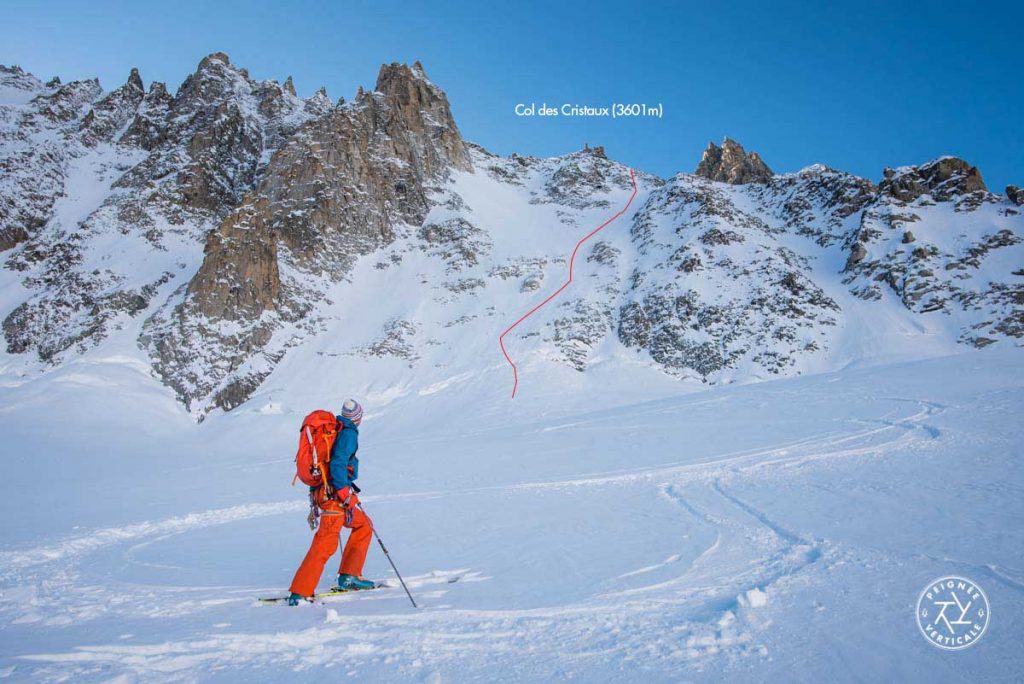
{"x":720,"y":592}
{"x":781,"y":455}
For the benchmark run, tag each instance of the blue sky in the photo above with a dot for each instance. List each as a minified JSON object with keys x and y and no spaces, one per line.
{"x":857,"y":86}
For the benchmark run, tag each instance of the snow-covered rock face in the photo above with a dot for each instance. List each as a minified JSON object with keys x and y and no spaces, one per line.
{"x":107,"y":196}
{"x":222,"y":230}
{"x":342,"y":186}
{"x":17,"y":86}
{"x":33,"y":156}
{"x":108,"y":116}
{"x":939,"y":241}
{"x":715,"y":285}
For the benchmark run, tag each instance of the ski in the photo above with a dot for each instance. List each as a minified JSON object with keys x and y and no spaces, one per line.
{"x":282,"y":599}
{"x":333,"y":591}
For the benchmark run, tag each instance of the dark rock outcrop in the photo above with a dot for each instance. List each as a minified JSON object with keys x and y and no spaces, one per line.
{"x":730,"y":163}
{"x":1015,"y":195}
{"x":943,"y":179}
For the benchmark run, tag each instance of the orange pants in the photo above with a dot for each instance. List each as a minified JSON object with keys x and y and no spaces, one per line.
{"x":325,"y":542}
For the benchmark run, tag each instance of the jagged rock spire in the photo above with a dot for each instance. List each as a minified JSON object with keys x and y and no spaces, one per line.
{"x":426,"y":111}
{"x":730,"y":163}
{"x":135,"y":81}
{"x":289,"y":86}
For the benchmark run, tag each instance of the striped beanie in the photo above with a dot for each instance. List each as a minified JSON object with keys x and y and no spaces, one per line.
{"x":353,"y":411}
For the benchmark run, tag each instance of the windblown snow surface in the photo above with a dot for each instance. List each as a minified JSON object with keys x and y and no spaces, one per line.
{"x":778,"y":531}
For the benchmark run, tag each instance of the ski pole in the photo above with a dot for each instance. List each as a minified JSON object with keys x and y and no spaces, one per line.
{"x":385,"y":550}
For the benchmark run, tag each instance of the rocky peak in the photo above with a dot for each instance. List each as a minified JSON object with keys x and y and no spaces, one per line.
{"x":944,"y":179}
{"x":135,"y":81}
{"x":214,"y":116}
{"x":213,"y":81}
{"x":214,"y":58}
{"x":814,"y":171}
{"x":274,"y":99}
{"x":817,"y":200}
{"x":216,"y":134}
{"x":730,"y":163}
{"x":289,"y":86}
{"x":149,"y":125}
{"x":582,"y":178}
{"x":319,"y":103}
{"x":425,"y":111}
{"x":110,"y":114}
{"x":397,"y":77}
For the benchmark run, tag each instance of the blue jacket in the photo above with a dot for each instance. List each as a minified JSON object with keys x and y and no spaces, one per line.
{"x":344,"y":464}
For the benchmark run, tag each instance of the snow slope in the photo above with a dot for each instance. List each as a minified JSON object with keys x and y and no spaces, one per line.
{"x":778,"y":531}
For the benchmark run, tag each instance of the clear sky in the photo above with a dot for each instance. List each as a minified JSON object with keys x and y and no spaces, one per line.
{"x":857,"y":85}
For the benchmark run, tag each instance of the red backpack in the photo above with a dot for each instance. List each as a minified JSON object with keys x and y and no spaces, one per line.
{"x":316,"y":438}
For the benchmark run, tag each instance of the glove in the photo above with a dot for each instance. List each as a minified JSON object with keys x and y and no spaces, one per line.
{"x":345,"y":497}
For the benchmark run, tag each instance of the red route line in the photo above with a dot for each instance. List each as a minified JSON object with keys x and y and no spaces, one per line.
{"x":501,"y":338}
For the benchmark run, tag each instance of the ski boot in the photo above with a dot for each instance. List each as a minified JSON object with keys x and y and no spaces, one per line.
{"x":295,"y":599}
{"x":352,"y":583}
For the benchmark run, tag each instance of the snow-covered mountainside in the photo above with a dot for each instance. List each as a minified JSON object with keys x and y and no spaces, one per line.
{"x":214,"y":233}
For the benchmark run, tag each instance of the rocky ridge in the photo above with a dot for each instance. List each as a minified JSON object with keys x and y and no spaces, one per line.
{"x":219,"y":227}
{"x":167,"y":169}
